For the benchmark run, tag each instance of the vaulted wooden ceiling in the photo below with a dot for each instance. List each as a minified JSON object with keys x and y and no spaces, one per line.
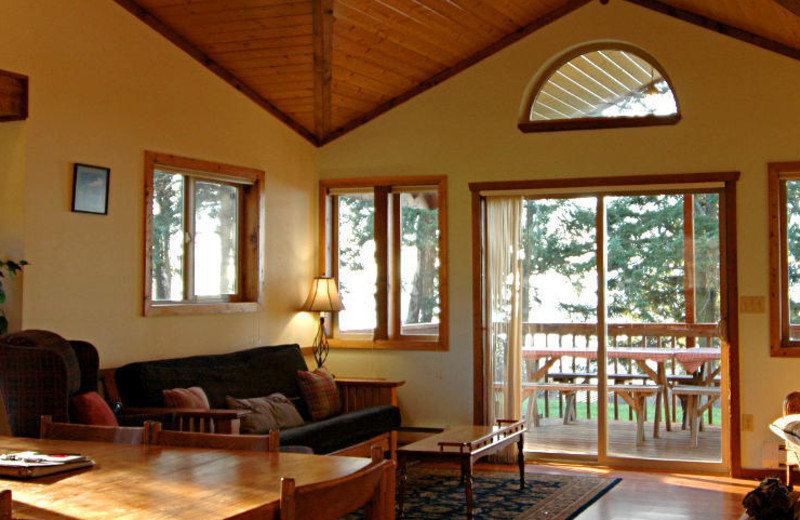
{"x":325,"y":67}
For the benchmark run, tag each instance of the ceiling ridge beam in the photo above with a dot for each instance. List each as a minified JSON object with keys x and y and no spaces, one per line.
{"x":323,"y":67}
{"x":192,"y":50}
{"x":502,"y":43}
{"x":721,"y":27}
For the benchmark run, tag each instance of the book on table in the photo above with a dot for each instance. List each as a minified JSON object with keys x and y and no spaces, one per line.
{"x":31,"y":464}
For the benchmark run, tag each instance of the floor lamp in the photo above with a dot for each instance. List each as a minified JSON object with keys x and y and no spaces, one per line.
{"x":323,"y":297}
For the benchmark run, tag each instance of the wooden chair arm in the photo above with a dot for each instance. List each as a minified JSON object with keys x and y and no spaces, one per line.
{"x":356,"y":394}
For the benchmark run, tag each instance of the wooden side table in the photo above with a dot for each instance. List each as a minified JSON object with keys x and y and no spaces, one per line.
{"x":463,"y":446}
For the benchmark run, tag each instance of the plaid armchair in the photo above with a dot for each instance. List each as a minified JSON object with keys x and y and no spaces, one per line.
{"x":39,"y":372}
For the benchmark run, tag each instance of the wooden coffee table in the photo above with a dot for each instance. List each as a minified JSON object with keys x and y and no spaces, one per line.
{"x":463,"y":446}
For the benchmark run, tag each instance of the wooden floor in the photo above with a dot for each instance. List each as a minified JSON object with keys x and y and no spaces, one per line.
{"x":581,"y":438}
{"x":660,"y":496}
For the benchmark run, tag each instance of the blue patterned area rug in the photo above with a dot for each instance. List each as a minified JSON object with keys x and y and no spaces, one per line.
{"x":437,"y":494}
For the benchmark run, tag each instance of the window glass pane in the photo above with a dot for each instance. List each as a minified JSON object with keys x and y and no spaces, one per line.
{"x":216,"y":241}
{"x":606,"y":83}
{"x":793,"y":250}
{"x":168,"y":228}
{"x":357,"y":267}
{"x":419,"y":263}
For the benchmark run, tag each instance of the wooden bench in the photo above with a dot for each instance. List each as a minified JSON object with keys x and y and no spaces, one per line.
{"x":694,"y":411}
{"x":634,"y":395}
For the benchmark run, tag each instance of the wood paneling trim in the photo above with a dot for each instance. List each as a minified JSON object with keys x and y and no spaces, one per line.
{"x":449,"y":72}
{"x":589,"y":182}
{"x":478,"y":362}
{"x":193,"y":51}
{"x":13,"y":96}
{"x":719,"y":27}
{"x":592,"y":123}
{"x":323,"y":58}
{"x":791,"y":5}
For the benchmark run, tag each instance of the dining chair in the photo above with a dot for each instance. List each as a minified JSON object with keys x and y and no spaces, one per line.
{"x":371,"y":487}
{"x":84,"y":432}
{"x":214,"y":441}
{"x":5,"y":505}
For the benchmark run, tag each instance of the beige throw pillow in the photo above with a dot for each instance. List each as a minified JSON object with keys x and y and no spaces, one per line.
{"x":192,"y":397}
{"x":272,"y":412}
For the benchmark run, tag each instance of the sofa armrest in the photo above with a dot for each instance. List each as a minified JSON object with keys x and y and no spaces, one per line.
{"x":356,"y":394}
{"x":192,"y":419}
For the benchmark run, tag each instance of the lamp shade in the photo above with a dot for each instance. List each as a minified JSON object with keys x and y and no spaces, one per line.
{"x":324,"y":296}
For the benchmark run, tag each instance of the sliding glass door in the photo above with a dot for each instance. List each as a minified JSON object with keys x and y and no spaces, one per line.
{"x":605,"y":322}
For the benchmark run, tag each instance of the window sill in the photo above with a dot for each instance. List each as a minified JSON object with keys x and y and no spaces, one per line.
{"x":388,"y":344}
{"x":792,"y":351}
{"x":193,"y":309}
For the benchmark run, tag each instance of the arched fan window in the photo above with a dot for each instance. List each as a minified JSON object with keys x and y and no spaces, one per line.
{"x":600,"y":86}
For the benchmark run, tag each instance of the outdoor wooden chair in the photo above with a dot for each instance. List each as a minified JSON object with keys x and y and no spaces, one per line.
{"x":85,"y":432}
{"x":371,"y":487}
{"x":214,"y":441}
{"x":5,"y":505}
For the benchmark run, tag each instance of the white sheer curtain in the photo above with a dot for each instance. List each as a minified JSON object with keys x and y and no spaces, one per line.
{"x":504,"y":356}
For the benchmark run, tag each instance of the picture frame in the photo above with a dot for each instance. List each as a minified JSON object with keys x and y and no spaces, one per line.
{"x":90,"y":189}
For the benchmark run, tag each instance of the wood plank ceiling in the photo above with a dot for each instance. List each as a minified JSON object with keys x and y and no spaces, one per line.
{"x":325,"y":67}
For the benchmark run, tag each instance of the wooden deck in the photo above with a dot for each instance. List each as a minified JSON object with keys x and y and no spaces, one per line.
{"x":552,"y":436}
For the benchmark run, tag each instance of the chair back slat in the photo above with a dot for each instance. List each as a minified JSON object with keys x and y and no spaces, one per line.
{"x":5,"y":505}
{"x":214,"y":441}
{"x":333,"y":499}
{"x":85,"y":432}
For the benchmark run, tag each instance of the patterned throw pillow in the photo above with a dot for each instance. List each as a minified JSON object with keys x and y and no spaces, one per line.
{"x":192,"y":397}
{"x":273,"y":412}
{"x":320,"y":393}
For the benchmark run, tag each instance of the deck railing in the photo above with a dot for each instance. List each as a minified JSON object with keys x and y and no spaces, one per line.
{"x":643,"y":335}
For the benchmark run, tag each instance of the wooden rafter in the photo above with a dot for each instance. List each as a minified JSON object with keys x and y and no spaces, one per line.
{"x":792,"y":5}
{"x":721,"y":27}
{"x":323,"y":56}
{"x":145,"y":16}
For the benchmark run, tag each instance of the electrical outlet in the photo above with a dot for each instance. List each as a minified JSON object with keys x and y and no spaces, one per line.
{"x":747,"y":422}
{"x":752,"y":304}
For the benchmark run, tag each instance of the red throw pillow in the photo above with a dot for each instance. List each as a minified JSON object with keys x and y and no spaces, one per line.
{"x":192,"y":397}
{"x":90,"y":408}
{"x":320,"y":393}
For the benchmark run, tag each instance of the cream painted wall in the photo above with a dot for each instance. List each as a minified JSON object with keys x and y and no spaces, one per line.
{"x":12,"y":185}
{"x":740,"y":110}
{"x":105,"y":88}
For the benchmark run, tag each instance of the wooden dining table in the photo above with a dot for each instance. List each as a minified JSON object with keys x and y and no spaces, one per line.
{"x":690,"y":358}
{"x":166,"y":483}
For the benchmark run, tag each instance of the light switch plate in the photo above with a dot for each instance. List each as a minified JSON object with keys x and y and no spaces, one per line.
{"x":752,"y":304}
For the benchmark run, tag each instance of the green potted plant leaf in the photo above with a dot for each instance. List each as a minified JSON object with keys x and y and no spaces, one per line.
{"x":8,"y":270}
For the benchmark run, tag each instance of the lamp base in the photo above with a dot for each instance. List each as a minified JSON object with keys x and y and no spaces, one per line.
{"x":320,"y":345}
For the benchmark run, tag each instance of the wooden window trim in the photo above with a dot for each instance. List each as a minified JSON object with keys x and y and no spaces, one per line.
{"x":781,"y":344}
{"x":251,"y":218}
{"x":387,"y":290}
{"x":729,"y":306}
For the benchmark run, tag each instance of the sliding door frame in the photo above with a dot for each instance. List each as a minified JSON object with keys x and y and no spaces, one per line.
{"x":601,"y":186}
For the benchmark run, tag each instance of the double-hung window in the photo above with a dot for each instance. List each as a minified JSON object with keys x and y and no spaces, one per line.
{"x":203,"y":224}
{"x":384,"y":241}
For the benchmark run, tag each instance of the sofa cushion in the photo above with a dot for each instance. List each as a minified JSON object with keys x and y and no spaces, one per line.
{"x":90,"y":408}
{"x":247,"y":373}
{"x":344,"y":430}
{"x":320,"y":393}
{"x":192,"y":397}
{"x":272,"y":412}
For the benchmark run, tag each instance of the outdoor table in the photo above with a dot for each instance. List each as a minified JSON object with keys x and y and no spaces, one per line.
{"x":691,"y":359}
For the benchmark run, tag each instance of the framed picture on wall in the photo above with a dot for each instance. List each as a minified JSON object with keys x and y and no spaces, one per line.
{"x":90,"y":189}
